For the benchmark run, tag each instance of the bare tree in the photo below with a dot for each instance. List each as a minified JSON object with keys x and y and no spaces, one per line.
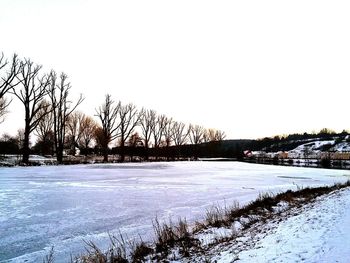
{"x":45,"y":125}
{"x":31,"y":94}
{"x":206,"y":136}
{"x":215,"y":135}
{"x":219,"y":135}
{"x":8,"y":74}
{"x":147,"y":120}
{"x":73,"y":130}
{"x":108,"y":115}
{"x":158,"y":127}
{"x":87,"y":131}
{"x":129,"y":118}
{"x":196,"y":134}
{"x":168,"y":135}
{"x":44,"y":131}
{"x":168,"y":131}
{"x":100,"y":138}
{"x":62,"y":108}
{"x":180,"y":133}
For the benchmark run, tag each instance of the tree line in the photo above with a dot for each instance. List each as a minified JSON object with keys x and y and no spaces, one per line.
{"x":51,"y":114}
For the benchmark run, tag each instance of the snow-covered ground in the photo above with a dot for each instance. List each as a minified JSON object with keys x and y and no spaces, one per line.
{"x":314,"y":146}
{"x":62,"y":205}
{"x":320,"y":232}
{"x":316,"y":232}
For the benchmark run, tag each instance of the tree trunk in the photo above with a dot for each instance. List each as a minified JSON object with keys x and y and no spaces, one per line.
{"x":59,"y":153}
{"x":105,"y":153}
{"x":73,"y":146}
{"x":146,"y":152}
{"x":122,"y":152}
{"x":167,"y":152}
{"x":25,"y":157}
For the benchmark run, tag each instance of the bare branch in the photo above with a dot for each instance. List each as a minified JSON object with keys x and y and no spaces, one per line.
{"x":108,"y":115}
{"x":196,"y":134}
{"x":158,"y":128}
{"x":147,"y":119}
{"x":180,"y":133}
{"x":8,"y":73}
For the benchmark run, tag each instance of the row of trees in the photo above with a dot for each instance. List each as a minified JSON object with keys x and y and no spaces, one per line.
{"x":51,"y":115}
{"x":41,"y":94}
{"x":145,"y":128}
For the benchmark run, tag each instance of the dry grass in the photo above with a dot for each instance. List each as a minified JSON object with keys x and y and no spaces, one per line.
{"x":49,"y":258}
{"x":168,"y":235}
{"x":217,"y":216}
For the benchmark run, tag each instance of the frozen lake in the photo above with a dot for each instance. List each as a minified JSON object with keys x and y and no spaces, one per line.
{"x":62,"y":206}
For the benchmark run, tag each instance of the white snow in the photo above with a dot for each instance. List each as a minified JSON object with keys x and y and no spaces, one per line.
{"x":62,"y":205}
{"x":315,"y":232}
{"x":313,"y":146}
{"x":320,"y":233}
{"x":316,"y":146}
{"x":342,"y":147}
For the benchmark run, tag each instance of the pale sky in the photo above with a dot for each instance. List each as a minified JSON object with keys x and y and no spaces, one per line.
{"x":249,"y":68}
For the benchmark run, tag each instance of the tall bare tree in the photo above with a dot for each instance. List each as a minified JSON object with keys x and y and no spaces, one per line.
{"x":147,"y":119}
{"x":206,"y":135}
{"x":87,"y":131}
{"x":168,"y":135}
{"x":108,"y":115}
{"x":8,"y":73}
{"x":129,"y":118}
{"x":158,"y":128}
{"x":45,"y":125}
{"x":31,"y":94}
{"x":168,"y":131}
{"x":44,"y":132}
{"x":73,"y":130}
{"x":212,"y":135}
{"x":196,"y":134}
{"x":180,"y":133}
{"x":62,"y":108}
{"x":219,"y":135}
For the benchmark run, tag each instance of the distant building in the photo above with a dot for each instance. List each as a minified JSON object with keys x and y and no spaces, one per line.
{"x":282,"y":155}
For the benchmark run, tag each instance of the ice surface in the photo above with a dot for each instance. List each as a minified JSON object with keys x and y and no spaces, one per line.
{"x":64,"y":205}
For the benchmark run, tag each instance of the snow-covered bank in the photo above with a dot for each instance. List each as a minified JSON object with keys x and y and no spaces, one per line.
{"x":319,"y":232}
{"x":11,"y":160}
{"x":315,"y":232}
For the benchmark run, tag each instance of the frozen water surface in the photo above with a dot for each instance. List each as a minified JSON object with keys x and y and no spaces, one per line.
{"x":64,"y":205}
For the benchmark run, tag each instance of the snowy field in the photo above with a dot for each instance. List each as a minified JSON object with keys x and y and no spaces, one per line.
{"x":62,"y":206}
